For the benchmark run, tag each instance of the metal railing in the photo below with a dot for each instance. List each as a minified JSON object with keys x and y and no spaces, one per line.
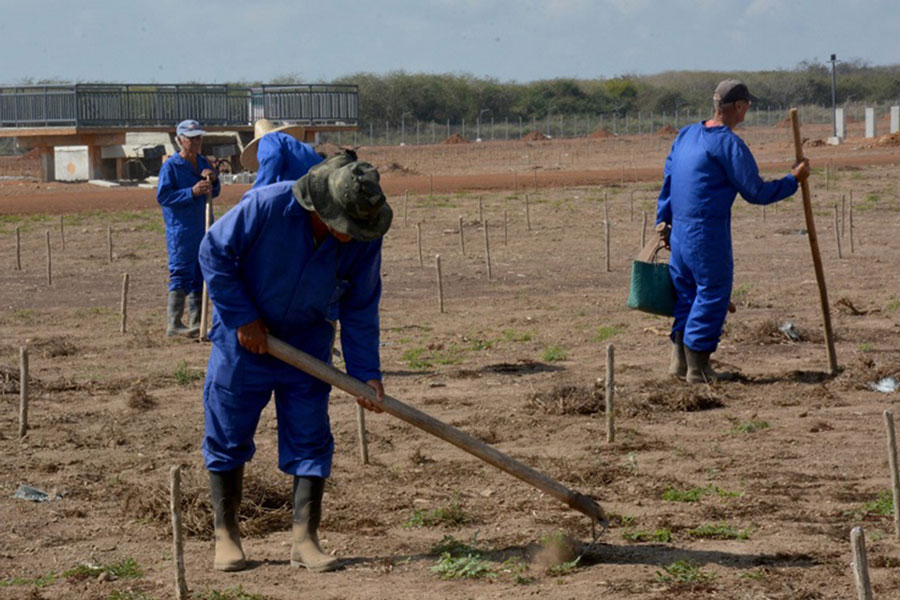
{"x":154,"y":105}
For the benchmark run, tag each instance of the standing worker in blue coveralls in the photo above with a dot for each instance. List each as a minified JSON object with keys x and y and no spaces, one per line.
{"x":276,"y":263}
{"x":276,"y":155}
{"x":706,"y":168}
{"x":184,"y":182}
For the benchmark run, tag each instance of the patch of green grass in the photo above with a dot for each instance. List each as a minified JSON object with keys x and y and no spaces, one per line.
{"x":477,"y":344}
{"x":40,"y":581}
{"x":604,"y":332}
{"x":25,"y":315}
{"x":554,"y":353}
{"x":452,"y":546}
{"x":452,"y":515}
{"x":124,"y":569}
{"x":471,"y":566}
{"x":719,"y":531}
{"x":512,"y":335}
{"x":893,"y":305}
{"x":424,"y":358}
{"x":683,"y":572}
{"x":882,"y":506}
{"x":639,"y":535}
{"x":434,"y":202}
{"x":872,"y":198}
{"x":740,"y":293}
{"x":564,"y":568}
{"x":749,"y":426}
{"x":695,"y":493}
{"x":755,"y":574}
{"x":237,"y":593}
{"x":866,"y":347}
{"x":517,"y":569}
{"x":185,"y":376}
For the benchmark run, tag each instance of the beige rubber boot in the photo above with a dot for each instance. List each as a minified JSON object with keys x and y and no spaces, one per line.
{"x":678,"y":363}
{"x":698,"y":369}
{"x":226,"y":499}
{"x":305,"y":549}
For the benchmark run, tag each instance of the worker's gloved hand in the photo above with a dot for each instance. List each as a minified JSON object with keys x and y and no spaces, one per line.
{"x":800,"y":170}
{"x":376,"y":385}
{"x":209,"y":175}
{"x":252,"y":337}
{"x":202,"y":188}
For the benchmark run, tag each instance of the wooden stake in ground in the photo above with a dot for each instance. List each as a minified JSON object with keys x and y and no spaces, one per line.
{"x":606,"y":239}
{"x":515,"y":181}
{"x":763,"y":211}
{"x":23,"y":391}
{"x":440,"y":282}
{"x":181,"y":591}
{"x":109,"y":256}
{"x":419,"y":242}
{"x":534,"y":172}
{"x":860,"y":564}
{"x":62,"y":233}
{"x":631,"y":206}
{"x":487,"y":251}
{"x":18,"y":250}
{"x":505,"y":226}
{"x":850,"y":227}
{"x":405,"y":207}
{"x":814,"y":247}
{"x":124,"y":308}
{"x":462,"y":237}
{"x":843,"y":214}
{"x":431,"y":185}
{"x":361,"y":431}
{"x":610,"y":395}
{"x":643,"y":229}
{"x":392,"y":406}
{"x":480,"y":210}
{"x":527,"y":214}
{"x":837,"y":232}
{"x":49,"y":261}
{"x":203,"y":335}
{"x":895,"y":475}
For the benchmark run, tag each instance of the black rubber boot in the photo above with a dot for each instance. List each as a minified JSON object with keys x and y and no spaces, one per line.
{"x":174,"y":310}
{"x":195,"y":305}
{"x":699,"y":370}
{"x":678,"y":362}
{"x":226,"y":487}
{"x":305,"y":549}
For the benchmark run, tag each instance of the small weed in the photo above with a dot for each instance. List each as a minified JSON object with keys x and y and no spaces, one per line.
{"x":564,"y":568}
{"x":638,"y":535}
{"x":511,"y":335}
{"x":683,"y":572}
{"x":720,"y":531}
{"x":451,"y":515}
{"x":893,"y":305}
{"x":26,"y":315}
{"x":554,"y":353}
{"x":604,"y":332}
{"x":749,"y":426}
{"x":517,"y":569}
{"x":237,"y":593}
{"x":40,"y":581}
{"x":416,"y":358}
{"x":872,"y":198}
{"x":186,"y":376}
{"x":725,"y":493}
{"x":452,"y":546}
{"x":865,"y":347}
{"x":755,"y":575}
{"x":690,"y":495}
{"x":125,"y":569}
{"x":471,"y":566}
{"x":882,"y":506}
{"x":740,"y":293}
{"x":478,"y":344}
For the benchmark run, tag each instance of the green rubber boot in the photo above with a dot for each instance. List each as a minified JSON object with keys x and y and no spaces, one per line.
{"x":226,"y":489}
{"x":305,"y":549}
{"x":699,"y":370}
{"x":174,"y":310}
{"x":678,"y":362}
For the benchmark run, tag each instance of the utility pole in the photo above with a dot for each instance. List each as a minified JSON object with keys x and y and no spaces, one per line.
{"x":833,"y":97}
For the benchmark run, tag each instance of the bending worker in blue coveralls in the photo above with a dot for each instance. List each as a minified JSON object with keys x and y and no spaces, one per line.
{"x":184,"y":182}
{"x":706,"y":168}
{"x":276,"y":155}
{"x":276,"y":263}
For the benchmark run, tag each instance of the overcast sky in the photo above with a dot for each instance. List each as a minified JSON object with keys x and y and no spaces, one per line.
{"x":172,"y":41}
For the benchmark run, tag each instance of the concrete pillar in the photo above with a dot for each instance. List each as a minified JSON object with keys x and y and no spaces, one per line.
{"x":47,"y":164}
{"x":895,"y":119}
{"x":870,"y":122}
{"x":841,"y":121}
{"x":94,"y":162}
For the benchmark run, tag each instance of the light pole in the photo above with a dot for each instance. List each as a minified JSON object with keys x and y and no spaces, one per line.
{"x":833,"y":97}
{"x":478,"y":126}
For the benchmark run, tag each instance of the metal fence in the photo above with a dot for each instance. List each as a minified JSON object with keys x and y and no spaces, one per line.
{"x":164,"y":105}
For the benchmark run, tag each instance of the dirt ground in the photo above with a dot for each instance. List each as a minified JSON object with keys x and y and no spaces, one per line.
{"x":746,"y":490}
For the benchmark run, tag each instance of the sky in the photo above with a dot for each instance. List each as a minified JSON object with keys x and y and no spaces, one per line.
{"x":176,"y":41}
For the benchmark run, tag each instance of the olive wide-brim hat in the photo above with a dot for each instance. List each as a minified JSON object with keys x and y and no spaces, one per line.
{"x":263,"y":126}
{"x":347,"y":196}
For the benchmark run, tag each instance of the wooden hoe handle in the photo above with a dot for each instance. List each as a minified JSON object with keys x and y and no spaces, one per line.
{"x":392,"y":406}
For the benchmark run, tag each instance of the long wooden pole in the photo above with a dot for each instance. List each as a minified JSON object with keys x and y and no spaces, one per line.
{"x":892,"y":463}
{"x":124,"y":305}
{"x":181,"y":591}
{"x":814,"y":247}
{"x":392,"y":406}
{"x":204,"y":301}
{"x":23,"y":391}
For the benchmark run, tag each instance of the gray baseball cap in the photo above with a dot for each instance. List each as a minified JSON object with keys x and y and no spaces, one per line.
{"x":730,"y":91}
{"x":189,"y":128}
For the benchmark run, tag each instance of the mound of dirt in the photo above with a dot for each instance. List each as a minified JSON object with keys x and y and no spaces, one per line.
{"x":534,"y":136}
{"x":666,"y":130}
{"x":396,"y":167}
{"x":891,"y":140}
{"x":53,"y":347}
{"x":675,"y":396}
{"x":28,"y":164}
{"x":784,"y":123}
{"x":568,"y":399}
{"x":456,"y":139}
{"x":817,"y":143}
{"x":600,"y":133}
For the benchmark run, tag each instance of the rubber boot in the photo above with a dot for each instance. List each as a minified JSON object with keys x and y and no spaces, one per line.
{"x":678,"y":363}
{"x":226,"y":499}
{"x":305,"y":549}
{"x":698,"y":369}
{"x":195,"y":305}
{"x":174,"y":310}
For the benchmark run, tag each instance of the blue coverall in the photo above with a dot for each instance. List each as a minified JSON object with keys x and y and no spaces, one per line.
{"x":185,"y":218}
{"x":260,"y":261}
{"x":704,"y":171}
{"x":283,"y":158}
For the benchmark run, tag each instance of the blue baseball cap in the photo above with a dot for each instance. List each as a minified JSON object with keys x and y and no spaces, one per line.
{"x":189,"y":128}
